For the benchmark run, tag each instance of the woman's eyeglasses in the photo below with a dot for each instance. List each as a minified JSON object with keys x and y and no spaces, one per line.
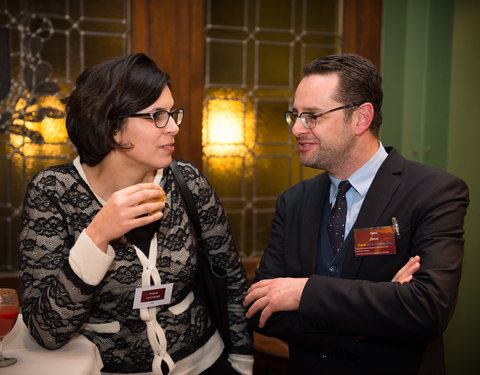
{"x":161,"y":117}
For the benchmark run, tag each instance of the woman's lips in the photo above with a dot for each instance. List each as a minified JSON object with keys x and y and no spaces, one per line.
{"x":170,"y":147}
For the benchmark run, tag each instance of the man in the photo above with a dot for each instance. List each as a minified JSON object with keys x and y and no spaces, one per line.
{"x":323,"y":284}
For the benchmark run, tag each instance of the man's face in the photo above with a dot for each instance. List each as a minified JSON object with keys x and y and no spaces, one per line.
{"x":330,"y":144}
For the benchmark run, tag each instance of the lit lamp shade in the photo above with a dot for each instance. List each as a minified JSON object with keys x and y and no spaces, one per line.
{"x":225,"y":121}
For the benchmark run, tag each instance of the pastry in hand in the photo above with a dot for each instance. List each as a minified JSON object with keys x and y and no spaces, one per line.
{"x":153,"y":200}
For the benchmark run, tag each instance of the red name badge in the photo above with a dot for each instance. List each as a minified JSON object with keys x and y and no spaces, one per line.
{"x":374,"y":241}
{"x":150,"y":296}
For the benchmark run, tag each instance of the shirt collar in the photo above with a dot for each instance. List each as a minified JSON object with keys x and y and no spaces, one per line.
{"x":363,"y":177}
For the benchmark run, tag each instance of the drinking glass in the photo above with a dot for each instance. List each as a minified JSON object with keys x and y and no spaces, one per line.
{"x":8,"y":317}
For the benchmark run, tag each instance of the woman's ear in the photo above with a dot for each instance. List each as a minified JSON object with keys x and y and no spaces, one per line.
{"x":365,"y":118}
{"x":117,"y":136}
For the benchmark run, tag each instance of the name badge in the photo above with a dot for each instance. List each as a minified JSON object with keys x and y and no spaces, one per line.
{"x":374,"y":241}
{"x":150,"y":296}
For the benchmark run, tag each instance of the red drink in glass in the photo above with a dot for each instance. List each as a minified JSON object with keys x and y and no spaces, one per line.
{"x":8,"y":317}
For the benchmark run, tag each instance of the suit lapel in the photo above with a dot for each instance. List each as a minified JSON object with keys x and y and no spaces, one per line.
{"x":386,"y":182}
{"x":312,"y":207}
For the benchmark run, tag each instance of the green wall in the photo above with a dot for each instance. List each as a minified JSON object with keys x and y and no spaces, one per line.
{"x":463,"y":160}
{"x":431,"y":72}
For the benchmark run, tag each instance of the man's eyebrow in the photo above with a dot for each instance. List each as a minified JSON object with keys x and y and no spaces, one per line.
{"x":309,"y":109}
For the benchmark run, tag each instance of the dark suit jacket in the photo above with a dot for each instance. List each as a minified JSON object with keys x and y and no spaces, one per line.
{"x":362,"y":323}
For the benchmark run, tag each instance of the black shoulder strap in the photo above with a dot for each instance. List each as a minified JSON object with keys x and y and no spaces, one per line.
{"x":213,"y":284}
{"x":187,"y":197}
{"x":192,"y":213}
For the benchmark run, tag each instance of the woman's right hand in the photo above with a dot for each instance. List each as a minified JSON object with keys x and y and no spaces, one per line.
{"x":123,"y":212}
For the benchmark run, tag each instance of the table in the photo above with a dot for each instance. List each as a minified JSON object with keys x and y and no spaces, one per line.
{"x":79,"y":357}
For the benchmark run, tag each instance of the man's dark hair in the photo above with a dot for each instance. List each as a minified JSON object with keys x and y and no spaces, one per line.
{"x":359,"y":82}
{"x":104,"y":96}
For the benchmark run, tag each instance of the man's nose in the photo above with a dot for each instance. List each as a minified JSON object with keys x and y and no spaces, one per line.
{"x":298,"y":128}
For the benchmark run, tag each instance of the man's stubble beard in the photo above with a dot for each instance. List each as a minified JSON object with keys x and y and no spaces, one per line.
{"x":319,"y":159}
{"x":327,"y":158}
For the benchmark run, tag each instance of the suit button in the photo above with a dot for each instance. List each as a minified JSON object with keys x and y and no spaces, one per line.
{"x":333,"y":269}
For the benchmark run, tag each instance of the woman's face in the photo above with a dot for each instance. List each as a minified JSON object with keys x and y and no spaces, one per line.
{"x":151,"y":148}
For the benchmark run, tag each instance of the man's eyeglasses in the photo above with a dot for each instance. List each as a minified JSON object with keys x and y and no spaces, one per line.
{"x":160,"y":118}
{"x":309,"y":119}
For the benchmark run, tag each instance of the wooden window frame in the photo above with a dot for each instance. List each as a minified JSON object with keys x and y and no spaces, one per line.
{"x":171,"y":33}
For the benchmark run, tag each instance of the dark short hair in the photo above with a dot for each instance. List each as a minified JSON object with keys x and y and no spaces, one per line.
{"x":104,"y":96}
{"x":359,"y":81}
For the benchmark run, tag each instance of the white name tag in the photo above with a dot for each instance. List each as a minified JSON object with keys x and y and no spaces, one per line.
{"x":155,"y":295}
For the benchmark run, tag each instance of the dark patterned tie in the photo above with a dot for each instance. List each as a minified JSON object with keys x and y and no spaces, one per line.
{"x":338,"y":216}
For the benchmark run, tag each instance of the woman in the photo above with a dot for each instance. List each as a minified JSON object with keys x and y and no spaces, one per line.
{"x":89,"y":241}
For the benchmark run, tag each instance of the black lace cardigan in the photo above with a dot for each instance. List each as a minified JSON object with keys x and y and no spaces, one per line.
{"x":56,"y":303}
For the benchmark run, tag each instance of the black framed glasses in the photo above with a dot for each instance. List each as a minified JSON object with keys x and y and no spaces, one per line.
{"x":160,"y":118}
{"x":309,"y":119}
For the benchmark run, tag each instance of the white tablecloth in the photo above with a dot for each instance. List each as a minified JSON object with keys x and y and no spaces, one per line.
{"x":78,"y":357}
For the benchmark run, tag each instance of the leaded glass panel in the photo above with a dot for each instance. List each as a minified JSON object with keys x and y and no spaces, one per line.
{"x":255,"y":50}
{"x":48,"y":44}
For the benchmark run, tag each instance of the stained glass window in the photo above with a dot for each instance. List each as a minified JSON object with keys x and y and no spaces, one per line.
{"x":255,"y":50}
{"x":45,"y":45}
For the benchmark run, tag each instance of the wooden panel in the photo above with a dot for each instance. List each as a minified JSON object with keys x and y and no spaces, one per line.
{"x":9,"y":280}
{"x":171,"y":33}
{"x":362,"y":28}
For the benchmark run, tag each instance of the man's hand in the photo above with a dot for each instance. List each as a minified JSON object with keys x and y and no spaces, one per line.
{"x":272,"y":295}
{"x":284,"y":293}
{"x":405,"y":274}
